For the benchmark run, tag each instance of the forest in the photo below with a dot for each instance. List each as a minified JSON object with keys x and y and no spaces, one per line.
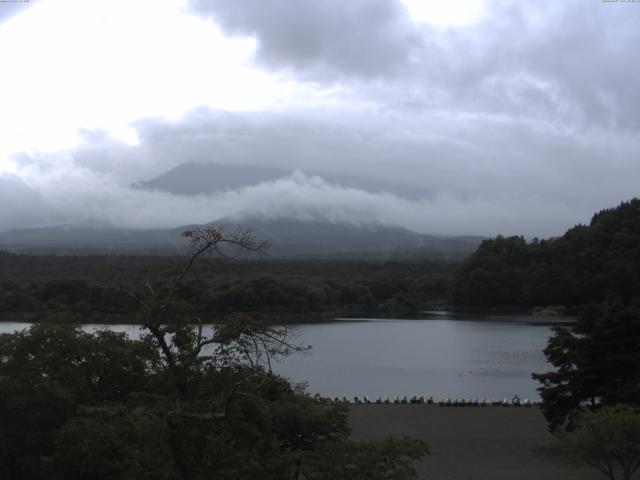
{"x":89,"y":288}
{"x":585,"y":265}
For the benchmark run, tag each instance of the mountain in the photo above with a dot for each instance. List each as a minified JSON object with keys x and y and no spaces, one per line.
{"x":194,"y":178}
{"x":288,"y":238}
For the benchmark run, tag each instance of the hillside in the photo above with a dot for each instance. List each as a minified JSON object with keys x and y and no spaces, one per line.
{"x":584,"y":265}
{"x":90,"y":239}
{"x":317,"y":238}
{"x":288,"y":238}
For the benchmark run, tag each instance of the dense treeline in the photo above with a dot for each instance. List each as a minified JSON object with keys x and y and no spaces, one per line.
{"x":88,"y":288}
{"x":585,"y":265}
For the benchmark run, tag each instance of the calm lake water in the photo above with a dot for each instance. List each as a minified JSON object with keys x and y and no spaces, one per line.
{"x":442,"y":354}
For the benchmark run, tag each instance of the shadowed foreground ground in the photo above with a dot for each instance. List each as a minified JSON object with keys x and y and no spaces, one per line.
{"x":490,"y":443}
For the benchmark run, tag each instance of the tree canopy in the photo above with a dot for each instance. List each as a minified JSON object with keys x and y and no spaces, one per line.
{"x":585,"y":265}
{"x":597,"y":362}
{"x":608,"y":440}
{"x":80,"y":288}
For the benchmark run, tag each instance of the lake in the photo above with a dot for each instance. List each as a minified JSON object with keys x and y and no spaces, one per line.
{"x":440,"y":354}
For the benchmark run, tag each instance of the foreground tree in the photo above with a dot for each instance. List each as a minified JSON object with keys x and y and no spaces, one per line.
{"x":46,"y":374}
{"x":607,"y":440}
{"x":183,"y":402}
{"x":597,"y":363}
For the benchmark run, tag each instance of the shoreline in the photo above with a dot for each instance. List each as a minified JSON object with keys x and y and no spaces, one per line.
{"x":289,"y":318}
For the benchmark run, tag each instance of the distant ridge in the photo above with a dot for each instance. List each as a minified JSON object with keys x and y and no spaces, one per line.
{"x":90,"y":239}
{"x":289,"y":238}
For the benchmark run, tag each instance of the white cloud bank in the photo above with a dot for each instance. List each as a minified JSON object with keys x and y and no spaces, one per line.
{"x":299,"y":196}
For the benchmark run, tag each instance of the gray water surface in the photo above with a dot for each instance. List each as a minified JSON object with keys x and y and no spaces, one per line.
{"x":443,"y":355}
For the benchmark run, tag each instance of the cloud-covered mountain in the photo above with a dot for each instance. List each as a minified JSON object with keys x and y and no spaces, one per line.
{"x":198,"y":178}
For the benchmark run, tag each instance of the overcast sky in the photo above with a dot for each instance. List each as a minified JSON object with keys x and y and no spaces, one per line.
{"x":513,"y":117}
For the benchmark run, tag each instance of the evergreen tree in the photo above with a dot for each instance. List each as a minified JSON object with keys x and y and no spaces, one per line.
{"x":597,"y":362}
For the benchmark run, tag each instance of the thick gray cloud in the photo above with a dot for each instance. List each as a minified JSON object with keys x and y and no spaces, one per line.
{"x":464,"y":156}
{"x":20,"y":205}
{"x":479,"y":175}
{"x":568,"y":62}
{"x":99,"y":202}
{"x":369,"y":38}
{"x":562,"y":61}
{"x":525,"y":122}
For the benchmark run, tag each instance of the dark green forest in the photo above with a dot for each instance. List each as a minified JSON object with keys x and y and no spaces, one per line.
{"x":89,"y":288}
{"x":585,"y":265}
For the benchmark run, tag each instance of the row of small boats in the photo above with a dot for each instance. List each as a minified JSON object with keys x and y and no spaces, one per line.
{"x":505,"y":402}
{"x":445,"y":402}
